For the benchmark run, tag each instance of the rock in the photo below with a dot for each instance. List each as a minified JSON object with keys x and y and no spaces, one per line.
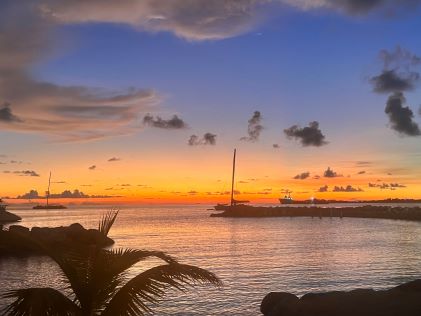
{"x":7,"y":217}
{"x":20,"y":240}
{"x":277,"y":300}
{"x":19,"y":229}
{"x":403,"y":300}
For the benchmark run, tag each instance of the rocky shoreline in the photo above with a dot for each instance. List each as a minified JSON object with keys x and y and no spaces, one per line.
{"x":403,"y":300}
{"x":367,"y":211}
{"x":22,"y":241}
{"x":7,"y":217}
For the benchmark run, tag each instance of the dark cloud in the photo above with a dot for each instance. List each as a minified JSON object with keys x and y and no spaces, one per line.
{"x":400,"y":116}
{"x":390,"y":81}
{"x":323,"y":188}
{"x":113,"y":159}
{"x":28,"y":173}
{"x":361,"y":172}
{"x":66,"y":194}
{"x":398,"y":75}
{"x":254,"y":128}
{"x":348,"y":188}
{"x":302,"y":176}
{"x":386,"y":186}
{"x":93,"y":167}
{"x":207,"y":139}
{"x":6,"y":114}
{"x":329,"y":173}
{"x":308,"y":136}
{"x":276,"y":146}
{"x":173,"y":123}
{"x":316,"y":177}
{"x":32,"y":194}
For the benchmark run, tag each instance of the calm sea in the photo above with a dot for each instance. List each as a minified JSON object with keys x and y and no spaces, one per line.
{"x":251,"y":256}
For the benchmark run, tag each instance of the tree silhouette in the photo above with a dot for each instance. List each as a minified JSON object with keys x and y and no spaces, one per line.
{"x":99,"y":284}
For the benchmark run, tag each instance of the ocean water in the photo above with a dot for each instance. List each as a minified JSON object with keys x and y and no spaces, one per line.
{"x":252,"y":256}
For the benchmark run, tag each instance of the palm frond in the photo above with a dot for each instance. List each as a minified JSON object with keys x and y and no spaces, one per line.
{"x":150,"y":286}
{"x":107,"y":222}
{"x":40,"y":301}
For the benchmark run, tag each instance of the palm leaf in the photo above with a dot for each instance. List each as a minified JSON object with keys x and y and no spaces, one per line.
{"x":107,"y":222}
{"x":150,"y":286}
{"x":40,"y":301}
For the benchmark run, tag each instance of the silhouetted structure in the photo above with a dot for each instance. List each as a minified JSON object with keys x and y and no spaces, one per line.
{"x":49,"y":206}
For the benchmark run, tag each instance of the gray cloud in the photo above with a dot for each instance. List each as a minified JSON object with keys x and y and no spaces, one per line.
{"x":276,"y":146}
{"x":348,"y":188}
{"x":93,"y":167}
{"x":6,"y":114}
{"x":28,"y":173}
{"x":207,"y":139}
{"x":398,"y":72}
{"x":69,"y":113}
{"x":386,"y":186}
{"x":358,"y":7}
{"x":398,"y":75}
{"x":390,"y":81}
{"x":173,"y":123}
{"x":254,"y":128}
{"x":308,"y":136}
{"x":362,"y":172}
{"x":114,"y":159}
{"x":400,"y":116}
{"x":32,"y":194}
{"x":329,"y":173}
{"x":302,"y":176}
{"x":323,"y":189}
{"x":66,"y":194}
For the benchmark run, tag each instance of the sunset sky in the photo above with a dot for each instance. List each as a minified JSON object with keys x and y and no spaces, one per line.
{"x":144,"y":101}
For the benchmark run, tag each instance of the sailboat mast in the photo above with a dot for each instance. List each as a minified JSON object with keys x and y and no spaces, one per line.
{"x":48,"y":191}
{"x":233,"y":176}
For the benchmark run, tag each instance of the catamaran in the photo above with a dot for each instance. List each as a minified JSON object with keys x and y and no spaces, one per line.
{"x":49,"y":206}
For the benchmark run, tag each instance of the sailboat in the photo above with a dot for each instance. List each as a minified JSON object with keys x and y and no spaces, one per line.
{"x":233,"y":202}
{"x":49,"y":206}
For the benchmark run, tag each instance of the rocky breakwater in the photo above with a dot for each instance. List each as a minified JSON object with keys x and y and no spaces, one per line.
{"x":403,"y":300}
{"x":7,"y":217}
{"x":20,"y":240}
{"x":366,"y":211}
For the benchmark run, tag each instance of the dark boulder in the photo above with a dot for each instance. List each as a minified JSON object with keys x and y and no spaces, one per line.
{"x":403,"y":300}
{"x":7,"y":217}
{"x":19,"y":240}
{"x":19,"y":229}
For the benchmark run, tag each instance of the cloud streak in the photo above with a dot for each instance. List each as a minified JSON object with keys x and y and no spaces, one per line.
{"x":68,"y":113}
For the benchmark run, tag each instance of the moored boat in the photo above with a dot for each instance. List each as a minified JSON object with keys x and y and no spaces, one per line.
{"x":48,"y":206}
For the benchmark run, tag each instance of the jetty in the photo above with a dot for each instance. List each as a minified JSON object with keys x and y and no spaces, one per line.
{"x":366,"y":211}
